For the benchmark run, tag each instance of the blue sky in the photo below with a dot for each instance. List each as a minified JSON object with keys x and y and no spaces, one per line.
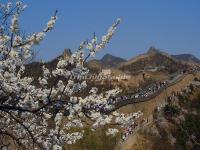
{"x":170,"y":25}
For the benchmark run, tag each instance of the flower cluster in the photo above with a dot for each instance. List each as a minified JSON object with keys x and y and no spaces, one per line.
{"x":112,"y":131}
{"x":76,"y":123}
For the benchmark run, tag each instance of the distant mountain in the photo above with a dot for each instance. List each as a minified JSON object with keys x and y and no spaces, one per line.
{"x":110,"y":61}
{"x":154,"y":58}
{"x":187,"y":58}
{"x":107,"y":61}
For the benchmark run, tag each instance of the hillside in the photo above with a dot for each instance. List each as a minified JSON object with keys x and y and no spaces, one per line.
{"x":152,"y":59}
{"x":150,"y":135}
{"x":189,"y":58}
{"x":94,"y":65}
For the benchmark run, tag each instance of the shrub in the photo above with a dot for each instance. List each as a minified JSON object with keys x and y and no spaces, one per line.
{"x":171,"y":110}
{"x":191,"y":126}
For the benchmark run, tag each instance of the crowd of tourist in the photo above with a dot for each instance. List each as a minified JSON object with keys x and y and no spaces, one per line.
{"x":129,"y":130}
{"x":194,"y":69}
{"x":142,"y":93}
{"x":95,"y":106}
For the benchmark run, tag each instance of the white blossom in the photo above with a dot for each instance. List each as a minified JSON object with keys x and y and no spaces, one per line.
{"x":14,"y":23}
{"x":51,"y":23}
{"x":40,"y":103}
{"x":112,"y":131}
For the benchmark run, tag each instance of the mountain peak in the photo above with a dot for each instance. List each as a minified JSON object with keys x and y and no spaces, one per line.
{"x":153,"y":50}
{"x":107,"y":56}
{"x":111,"y":61}
{"x":67,"y":53}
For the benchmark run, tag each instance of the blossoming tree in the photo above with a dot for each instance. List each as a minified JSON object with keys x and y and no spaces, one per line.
{"x":28,"y":119}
